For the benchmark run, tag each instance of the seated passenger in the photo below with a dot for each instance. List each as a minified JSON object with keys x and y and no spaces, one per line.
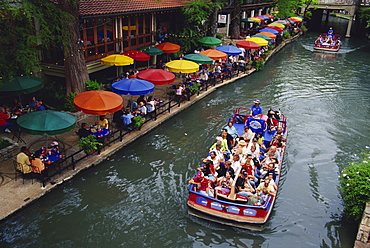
{"x":202,"y":185}
{"x":264,"y":190}
{"x":215,"y":160}
{"x":235,"y":162}
{"x":231,"y":130}
{"x":243,"y":186}
{"x":224,"y":184}
{"x":248,"y":133}
{"x":208,"y":169}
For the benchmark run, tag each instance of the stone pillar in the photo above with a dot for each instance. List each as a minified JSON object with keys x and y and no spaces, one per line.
{"x":227,"y":24}
{"x":260,"y":12}
{"x":252,"y":12}
{"x":350,"y":21}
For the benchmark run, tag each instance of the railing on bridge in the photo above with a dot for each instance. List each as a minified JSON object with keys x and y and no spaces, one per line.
{"x":346,"y":2}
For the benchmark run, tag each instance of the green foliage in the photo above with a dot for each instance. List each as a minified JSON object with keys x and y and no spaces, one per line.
{"x":139,"y":120}
{"x":187,"y":39}
{"x":259,"y":64}
{"x":286,"y":35}
{"x":355,"y":186}
{"x":26,"y":28}
{"x":219,"y":36}
{"x":89,"y":143}
{"x":364,"y":15}
{"x":69,"y":105}
{"x":93,"y":85}
{"x":4,"y":143}
{"x":195,"y":88}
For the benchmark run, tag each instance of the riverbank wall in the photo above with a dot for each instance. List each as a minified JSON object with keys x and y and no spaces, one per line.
{"x":16,"y":195}
{"x":363,"y":234}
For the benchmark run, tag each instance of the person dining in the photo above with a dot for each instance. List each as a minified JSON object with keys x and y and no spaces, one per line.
{"x":83,"y":132}
{"x":37,"y":165}
{"x":103,"y":122}
{"x":23,"y":161}
{"x":4,"y":116}
{"x":32,"y":103}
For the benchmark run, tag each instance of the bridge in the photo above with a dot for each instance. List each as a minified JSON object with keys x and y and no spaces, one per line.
{"x":351,"y":6}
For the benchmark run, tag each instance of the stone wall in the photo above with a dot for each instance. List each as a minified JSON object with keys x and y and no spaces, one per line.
{"x":8,"y":152}
{"x":363,"y":234}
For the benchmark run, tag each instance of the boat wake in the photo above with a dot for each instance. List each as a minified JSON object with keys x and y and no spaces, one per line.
{"x":343,"y":49}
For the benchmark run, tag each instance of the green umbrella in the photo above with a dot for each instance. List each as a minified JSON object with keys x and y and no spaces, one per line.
{"x":198,"y":58}
{"x":20,"y":85}
{"x":263,"y":37}
{"x":150,"y":50}
{"x":210,"y":41}
{"x":247,"y":20}
{"x":47,"y":122}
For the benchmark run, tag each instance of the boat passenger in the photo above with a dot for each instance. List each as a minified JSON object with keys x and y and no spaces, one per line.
{"x":231,"y":130}
{"x":219,"y":153}
{"x":248,"y":133}
{"x":208,"y":170}
{"x":224,"y":184}
{"x":264,"y":190}
{"x":241,"y":147}
{"x":230,"y":140}
{"x":220,"y":141}
{"x":331,"y":32}
{"x":243,"y":185}
{"x":215,"y":160}
{"x":235,"y":162}
{"x":203,"y":185}
{"x":272,"y":181}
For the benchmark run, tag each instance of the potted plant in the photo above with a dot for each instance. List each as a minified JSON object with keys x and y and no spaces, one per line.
{"x":195,"y":88}
{"x":139,"y":120}
{"x":89,"y":144}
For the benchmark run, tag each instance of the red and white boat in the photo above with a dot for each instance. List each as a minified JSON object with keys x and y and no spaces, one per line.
{"x":233,"y":209}
{"x":328,"y":42}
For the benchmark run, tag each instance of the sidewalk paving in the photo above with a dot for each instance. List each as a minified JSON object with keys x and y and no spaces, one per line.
{"x":15,"y":195}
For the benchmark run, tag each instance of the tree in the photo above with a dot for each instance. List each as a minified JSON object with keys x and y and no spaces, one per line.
{"x":29,"y":26}
{"x":288,"y":8}
{"x":235,"y":20}
{"x":365,"y":16}
{"x":355,"y":186}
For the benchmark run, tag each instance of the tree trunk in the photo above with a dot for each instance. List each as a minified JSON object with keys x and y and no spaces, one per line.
{"x":76,"y":73}
{"x":213,"y":19}
{"x":235,"y":20}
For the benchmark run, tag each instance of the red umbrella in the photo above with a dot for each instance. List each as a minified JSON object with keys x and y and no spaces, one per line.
{"x":294,"y":20}
{"x":98,"y":102}
{"x":137,"y":55}
{"x":168,"y":47}
{"x":157,"y":76}
{"x":247,"y":44}
{"x":259,"y":17}
{"x":280,"y":30}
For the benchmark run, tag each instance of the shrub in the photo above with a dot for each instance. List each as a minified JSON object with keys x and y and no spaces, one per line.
{"x":259,"y":64}
{"x":92,"y":85}
{"x":4,"y":143}
{"x":89,"y":143}
{"x":286,"y":35}
{"x":195,"y":88}
{"x":355,"y":186}
{"x":69,"y":105}
{"x":219,"y":36}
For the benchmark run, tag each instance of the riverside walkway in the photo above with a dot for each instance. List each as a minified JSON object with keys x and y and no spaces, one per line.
{"x":15,"y":195}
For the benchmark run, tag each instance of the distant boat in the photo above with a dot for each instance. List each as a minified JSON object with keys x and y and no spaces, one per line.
{"x":231,"y":208}
{"x":328,"y":42}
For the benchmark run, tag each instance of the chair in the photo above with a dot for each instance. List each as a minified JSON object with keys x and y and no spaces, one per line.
{"x":18,"y":171}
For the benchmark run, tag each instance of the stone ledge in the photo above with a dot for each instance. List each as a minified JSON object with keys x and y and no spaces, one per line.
{"x":7,"y":152}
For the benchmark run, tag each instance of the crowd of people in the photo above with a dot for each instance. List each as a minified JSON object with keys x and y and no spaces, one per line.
{"x":9,"y":113}
{"x":257,"y":163}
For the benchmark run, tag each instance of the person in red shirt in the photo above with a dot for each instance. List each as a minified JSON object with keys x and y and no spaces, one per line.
{"x":203,"y":185}
{"x":4,"y":116}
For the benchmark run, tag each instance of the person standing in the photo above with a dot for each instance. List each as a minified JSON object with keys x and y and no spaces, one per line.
{"x":256,"y":109}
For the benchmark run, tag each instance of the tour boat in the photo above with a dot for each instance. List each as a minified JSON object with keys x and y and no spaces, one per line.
{"x":233,"y":209}
{"x":328,"y":42}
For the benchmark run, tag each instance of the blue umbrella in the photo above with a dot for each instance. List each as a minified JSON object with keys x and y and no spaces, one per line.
{"x":264,"y":17}
{"x":230,"y":50}
{"x":132,"y":86}
{"x":270,"y":30}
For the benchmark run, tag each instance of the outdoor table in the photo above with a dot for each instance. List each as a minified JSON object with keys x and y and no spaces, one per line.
{"x":99,"y":132}
{"x":50,"y":158}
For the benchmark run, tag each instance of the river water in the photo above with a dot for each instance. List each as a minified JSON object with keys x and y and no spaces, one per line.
{"x":137,"y":197}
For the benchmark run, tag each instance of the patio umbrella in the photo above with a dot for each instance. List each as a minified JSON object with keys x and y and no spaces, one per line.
{"x":98,"y":102}
{"x":132,"y":86}
{"x":255,"y":19}
{"x":295,"y":20}
{"x":283,"y":22}
{"x":269,"y":16}
{"x":210,"y":41}
{"x":214,"y":54}
{"x":117,"y":60}
{"x":248,"y":44}
{"x":268,"y":34}
{"x":259,"y":17}
{"x":259,"y":41}
{"x":198,"y":58}
{"x":137,"y":55}
{"x":262,"y":36}
{"x":263,"y":17}
{"x":247,"y":20}
{"x":280,"y":30}
{"x":151,"y":50}
{"x":229,"y":50}
{"x":168,"y":47}
{"x":20,"y":85}
{"x":182,"y":66}
{"x":270,"y":30}
{"x":47,"y":122}
{"x":274,"y":24}
{"x":157,"y":76}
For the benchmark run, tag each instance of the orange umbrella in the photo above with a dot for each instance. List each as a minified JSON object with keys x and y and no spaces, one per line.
{"x":98,"y":102}
{"x":268,"y":34}
{"x":214,"y":54}
{"x":168,"y":47}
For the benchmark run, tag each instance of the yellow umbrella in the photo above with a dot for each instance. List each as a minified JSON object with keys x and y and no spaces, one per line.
{"x":255,"y":19}
{"x":276,"y":25}
{"x":182,"y":66}
{"x":117,"y":60}
{"x":259,"y":41}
